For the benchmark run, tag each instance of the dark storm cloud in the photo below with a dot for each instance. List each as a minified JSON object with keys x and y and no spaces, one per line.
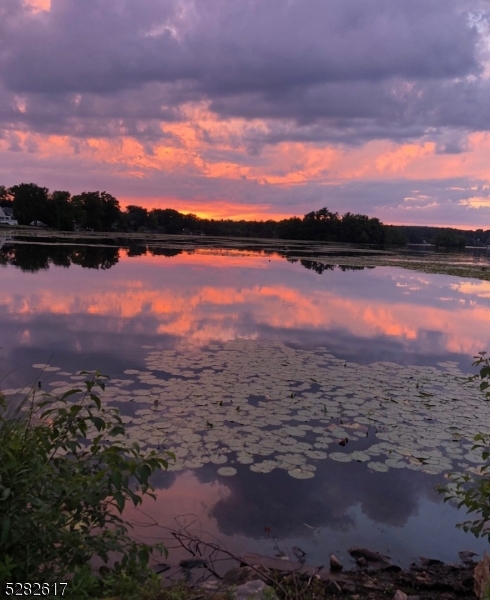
{"x":342,"y":71}
{"x":88,"y":46}
{"x":136,"y":113}
{"x":355,"y":112}
{"x":230,"y":47}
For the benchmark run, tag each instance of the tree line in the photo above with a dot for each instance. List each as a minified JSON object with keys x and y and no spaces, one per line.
{"x":100,"y":211}
{"x":31,"y":203}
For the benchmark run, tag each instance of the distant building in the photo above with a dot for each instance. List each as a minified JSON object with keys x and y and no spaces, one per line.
{"x":37,"y":224}
{"x":7,"y":217}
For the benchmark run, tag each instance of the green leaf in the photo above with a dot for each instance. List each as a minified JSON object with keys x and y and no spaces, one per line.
{"x":70,"y":393}
{"x":120,"y":501}
{"x":116,"y":479}
{"x":5,"y":529}
{"x":98,"y":423}
{"x":117,"y":430}
{"x":96,"y":400}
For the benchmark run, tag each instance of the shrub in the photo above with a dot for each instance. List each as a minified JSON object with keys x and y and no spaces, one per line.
{"x":473,"y":491}
{"x":66,"y":474}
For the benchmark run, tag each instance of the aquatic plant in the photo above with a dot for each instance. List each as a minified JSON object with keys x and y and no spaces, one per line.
{"x":262,"y":405}
{"x":66,"y":474}
{"x":472,"y":490}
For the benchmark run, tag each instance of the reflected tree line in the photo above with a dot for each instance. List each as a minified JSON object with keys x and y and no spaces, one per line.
{"x":319,"y":267}
{"x":33,"y":257}
{"x":38,"y":257}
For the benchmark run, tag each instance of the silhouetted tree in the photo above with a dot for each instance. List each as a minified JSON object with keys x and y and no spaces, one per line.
{"x":169,"y":220}
{"x":449,"y":239}
{"x":394,"y":236}
{"x":96,"y":210}
{"x":100,"y":211}
{"x":290,"y":229}
{"x":360,"y":229}
{"x":30,"y":203}
{"x":60,"y":213}
{"x":136,"y":217}
{"x":321,"y":225}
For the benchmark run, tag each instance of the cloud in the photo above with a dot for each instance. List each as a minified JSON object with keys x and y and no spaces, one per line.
{"x":283,"y":103}
{"x":350,"y":70}
{"x":222,"y":297}
{"x":236,"y":47}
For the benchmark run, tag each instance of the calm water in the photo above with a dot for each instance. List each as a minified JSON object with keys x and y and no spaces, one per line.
{"x":76,"y":307}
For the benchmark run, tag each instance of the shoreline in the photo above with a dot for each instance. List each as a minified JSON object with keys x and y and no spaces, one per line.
{"x":319,"y":256}
{"x":375,"y":577}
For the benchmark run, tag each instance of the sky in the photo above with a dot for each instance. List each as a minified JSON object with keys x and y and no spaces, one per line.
{"x":253,"y":108}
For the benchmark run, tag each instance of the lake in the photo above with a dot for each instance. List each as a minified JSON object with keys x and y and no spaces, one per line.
{"x":310,"y":403}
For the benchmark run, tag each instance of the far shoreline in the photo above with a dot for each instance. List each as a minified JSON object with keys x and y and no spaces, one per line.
{"x":473,"y":262}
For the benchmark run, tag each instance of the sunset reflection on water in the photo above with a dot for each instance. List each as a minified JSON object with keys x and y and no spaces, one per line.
{"x":107,"y":318}
{"x":201,"y":297}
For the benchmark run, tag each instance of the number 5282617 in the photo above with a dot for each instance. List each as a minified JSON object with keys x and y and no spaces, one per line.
{"x":35,"y":589}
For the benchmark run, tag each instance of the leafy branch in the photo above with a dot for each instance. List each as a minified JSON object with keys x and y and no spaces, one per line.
{"x":468,"y":490}
{"x":67,"y":473}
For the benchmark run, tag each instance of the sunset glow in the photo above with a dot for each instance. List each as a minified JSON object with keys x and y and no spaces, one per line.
{"x":38,"y":5}
{"x":253,"y":236}
{"x":228,"y":119}
{"x":208,"y":302}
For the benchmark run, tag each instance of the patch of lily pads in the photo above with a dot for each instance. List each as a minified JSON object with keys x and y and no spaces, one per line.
{"x":264,"y":406}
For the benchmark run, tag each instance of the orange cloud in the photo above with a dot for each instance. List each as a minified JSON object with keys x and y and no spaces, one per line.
{"x":201,"y":311}
{"x":398,"y":159}
{"x":285,"y":163}
{"x":222,"y":155}
{"x":38,"y":5}
{"x":476,"y":202}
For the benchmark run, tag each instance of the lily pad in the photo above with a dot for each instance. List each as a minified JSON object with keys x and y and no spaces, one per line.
{"x":227,"y":471}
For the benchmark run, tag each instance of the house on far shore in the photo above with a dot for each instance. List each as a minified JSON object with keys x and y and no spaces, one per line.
{"x":37,"y":224}
{"x":7,"y":217}
{"x":5,"y":240}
